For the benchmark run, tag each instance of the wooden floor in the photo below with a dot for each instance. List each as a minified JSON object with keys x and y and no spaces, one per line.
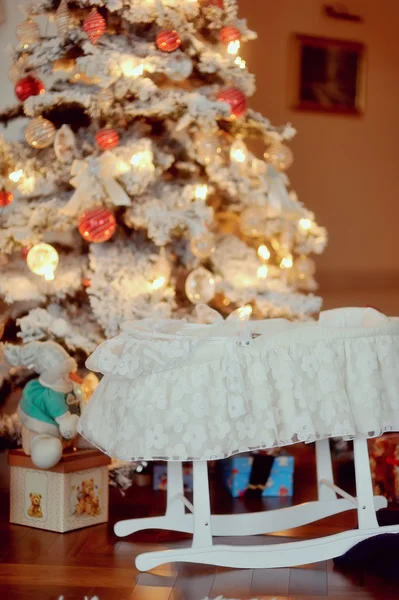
{"x":92,"y":562}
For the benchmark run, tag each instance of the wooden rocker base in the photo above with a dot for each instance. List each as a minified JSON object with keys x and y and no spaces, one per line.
{"x":288,"y":554}
{"x":203,"y":525}
{"x":246,"y":524}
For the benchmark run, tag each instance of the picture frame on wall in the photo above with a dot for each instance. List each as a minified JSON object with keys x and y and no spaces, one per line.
{"x":328,"y":75}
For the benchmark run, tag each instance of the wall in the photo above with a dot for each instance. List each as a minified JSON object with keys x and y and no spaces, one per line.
{"x":7,"y":36}
{"x":13,"y":16}
{"x":346,"y":168}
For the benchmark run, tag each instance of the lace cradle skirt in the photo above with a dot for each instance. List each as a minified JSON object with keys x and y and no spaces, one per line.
{"x":233,"y":394}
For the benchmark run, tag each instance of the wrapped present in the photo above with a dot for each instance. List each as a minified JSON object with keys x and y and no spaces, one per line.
{"x":384,"y":465}
{"x":270,"y":476}
{"x":160,"y":477}
{"x":71,"y":495}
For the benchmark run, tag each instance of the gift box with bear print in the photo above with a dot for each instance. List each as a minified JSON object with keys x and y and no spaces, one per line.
{"x":71,"y":495}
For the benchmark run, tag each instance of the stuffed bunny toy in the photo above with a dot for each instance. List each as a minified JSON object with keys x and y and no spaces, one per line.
{"x":43,"y":409}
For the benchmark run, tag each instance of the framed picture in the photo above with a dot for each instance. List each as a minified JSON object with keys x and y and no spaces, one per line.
{"x":329,"y":75}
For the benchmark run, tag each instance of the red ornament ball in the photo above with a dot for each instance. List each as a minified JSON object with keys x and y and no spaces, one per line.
{"x":218,"y":3}
{"x":229,"y":34}
{"x":28,"y":86}
{"x":5,"y":198}
{"x":94,"y":25}
{"x":168,"y":40}
{"x":107,"y":139}
{"x":97,"y":225}
{"x":236,"y":99}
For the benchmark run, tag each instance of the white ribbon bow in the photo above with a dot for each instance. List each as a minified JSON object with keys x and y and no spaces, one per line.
{"x":238,"y":323}
{"x":279,"y":200}
{"x":88,"y":174}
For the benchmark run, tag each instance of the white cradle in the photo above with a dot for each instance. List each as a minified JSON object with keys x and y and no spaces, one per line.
{"x":357,"y":348}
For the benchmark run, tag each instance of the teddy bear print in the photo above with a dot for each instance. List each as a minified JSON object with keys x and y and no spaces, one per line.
{"x":87,"y":502}
{"x":35,"y":510}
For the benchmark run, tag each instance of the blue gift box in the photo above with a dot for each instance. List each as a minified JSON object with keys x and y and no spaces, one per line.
{"x":160,"y":477}
{"x":237,"y":471}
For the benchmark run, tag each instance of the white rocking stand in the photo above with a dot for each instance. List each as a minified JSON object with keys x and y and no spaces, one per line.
{"x":203,"y":525}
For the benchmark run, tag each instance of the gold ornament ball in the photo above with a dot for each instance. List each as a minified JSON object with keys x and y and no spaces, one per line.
{"x":15,"y":73}
{"x":105,"y":99}
{"x":304,"y":267}
{"x":204,"y":245}
{"x":200,"y":286}
{"x":207,"y":147}
{"x":28,"y":32}
{"x":18,"y":68}
{"x":253,"y":221}
{"x":64,"y":64}
{"x":43,"y":259}
{"x":280,"y":156}
{"x":40,"y":133}
{"x":62,"y":19}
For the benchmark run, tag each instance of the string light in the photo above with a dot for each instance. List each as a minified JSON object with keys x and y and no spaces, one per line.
{"x":238,"y":152}
{"x":131,"y":69}
{"x":238,"y":156}
{"x":43,"y":260}
{"x":262,"y":272}
{"x":264,"y":252}
{"x":123,"y":167}
{"x":15,"y":176}
{"x":158,"y":283}
{"x":29,"y":184}
{"x":142,"y":159}
{"x":305,"y":224}
{"x":287,"y":262}
{"x":233,"y":47}
{"x":201,"y":191}
{"x":240,"y":62}
{"x":244,"y":312}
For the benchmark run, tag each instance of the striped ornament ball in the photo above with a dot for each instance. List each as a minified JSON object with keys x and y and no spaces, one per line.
{"x":168,"y":40}
{"x":94,"y":25}
{"x":229,"y":34}
{"x":107,"y":139}
{"x":97,"y":225}
{"x":237,"y":100}
{"x":208,"y":3}
{"x":40,"y":133}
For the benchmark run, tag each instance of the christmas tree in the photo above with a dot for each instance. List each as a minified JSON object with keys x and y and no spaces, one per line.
{"x":145,"y":185}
